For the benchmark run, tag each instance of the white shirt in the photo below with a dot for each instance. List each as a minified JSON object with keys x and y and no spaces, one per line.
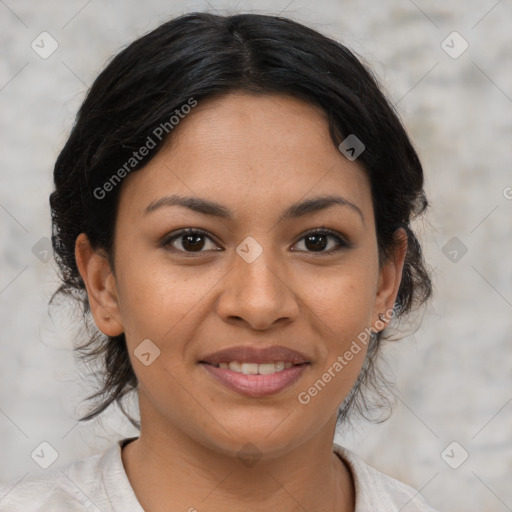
{"x":99,"y":483}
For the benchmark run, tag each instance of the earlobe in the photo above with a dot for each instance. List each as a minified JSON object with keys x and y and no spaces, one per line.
{"x":390,"y":277}
{"x":101,"y":286}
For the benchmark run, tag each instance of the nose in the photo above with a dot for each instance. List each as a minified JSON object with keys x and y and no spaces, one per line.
{"x":258,"y":294}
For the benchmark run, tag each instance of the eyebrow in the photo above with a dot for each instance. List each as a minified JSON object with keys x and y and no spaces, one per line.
{"x":207,"y":207}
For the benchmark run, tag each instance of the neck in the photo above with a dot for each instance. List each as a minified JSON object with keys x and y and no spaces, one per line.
{"x":168,"y":467}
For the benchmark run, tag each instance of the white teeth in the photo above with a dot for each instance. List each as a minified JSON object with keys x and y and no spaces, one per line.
{"x":250,"y":368}
{"x":255,"y":368}
{"x":269,"y":368}
{"x":236,"y":367}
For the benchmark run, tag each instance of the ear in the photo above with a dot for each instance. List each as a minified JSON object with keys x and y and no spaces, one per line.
{"x":390,"y":277}
{"x":101,"y":286}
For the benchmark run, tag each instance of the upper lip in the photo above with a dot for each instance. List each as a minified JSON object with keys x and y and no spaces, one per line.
{"x":247,"y":354}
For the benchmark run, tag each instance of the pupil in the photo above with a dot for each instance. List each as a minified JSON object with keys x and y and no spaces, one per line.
{"x":191,"y":242}
{"x":316,"y":245}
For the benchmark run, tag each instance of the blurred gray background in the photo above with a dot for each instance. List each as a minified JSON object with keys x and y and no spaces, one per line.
{"x":446,"y":66}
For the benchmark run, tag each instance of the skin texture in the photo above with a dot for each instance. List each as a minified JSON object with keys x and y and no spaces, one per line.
{"x":256,"y":155}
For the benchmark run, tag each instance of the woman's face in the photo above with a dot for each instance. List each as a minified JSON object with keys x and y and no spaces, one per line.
{"x":253,"y":292}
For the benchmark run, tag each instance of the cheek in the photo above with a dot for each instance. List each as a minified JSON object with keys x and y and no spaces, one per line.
{"x":342,"y":304}
{"x":155,"y":295}
{"x":342,"y":300}
{"x":342,"y":312}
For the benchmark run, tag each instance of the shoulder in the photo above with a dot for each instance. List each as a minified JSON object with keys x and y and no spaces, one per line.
{"x":65,"y":488}
{"x":83,"y":485}
{"x":378,"y":491}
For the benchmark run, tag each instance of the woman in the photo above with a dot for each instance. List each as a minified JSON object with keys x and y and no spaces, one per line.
{"x":233,"y":208}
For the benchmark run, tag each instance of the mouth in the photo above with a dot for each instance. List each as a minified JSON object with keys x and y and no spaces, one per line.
{"x":256,"y":372}
{"x":255,"y":368}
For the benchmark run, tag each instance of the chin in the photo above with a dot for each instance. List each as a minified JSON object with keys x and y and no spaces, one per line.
{"x":261,"y":435}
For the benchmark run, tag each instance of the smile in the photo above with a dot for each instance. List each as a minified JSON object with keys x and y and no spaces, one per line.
{"x":256,"y":371}
{"x":255,"y":368}
{"x":256,"y":380}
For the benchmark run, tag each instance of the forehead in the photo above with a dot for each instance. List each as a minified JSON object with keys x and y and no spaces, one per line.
{"x":253,"y":151}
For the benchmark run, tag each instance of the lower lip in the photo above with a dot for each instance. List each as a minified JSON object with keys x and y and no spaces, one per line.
{"x":256,"y":386}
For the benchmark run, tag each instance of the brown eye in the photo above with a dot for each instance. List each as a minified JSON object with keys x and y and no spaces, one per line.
{"x":318,"y":241}
{"x":189,"y":241}
{"x":192,"y":242}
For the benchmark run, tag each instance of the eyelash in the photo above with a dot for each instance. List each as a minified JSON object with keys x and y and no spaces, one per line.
{"x":341,"y":241}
